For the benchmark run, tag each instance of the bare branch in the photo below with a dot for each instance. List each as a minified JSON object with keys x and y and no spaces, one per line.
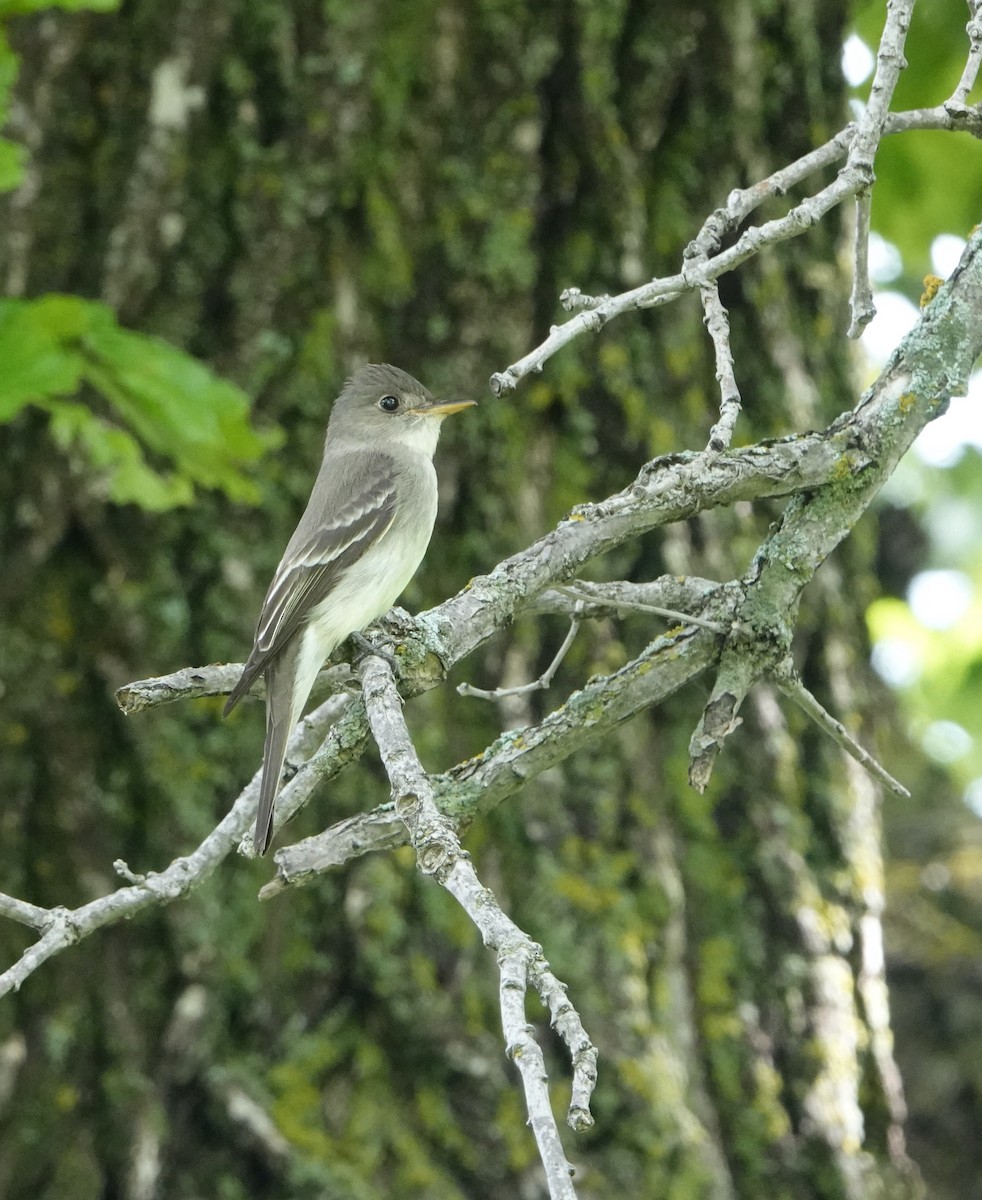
{"x":790,"y":684}
{"x":957,"y":105}
{"x":739,"y":667}
{"x":861,"y":301}
{"x":721,"y":433}
{"x":537,"y":685}
{"x":439,"y":853}
{"x":595,"y":311}
{"x":674,"y":594}
{"x":890,"y":62}
{"x":24,"y":913}
{"x":968,"y":120}
{"x":621,"y":604}
{"x":215,"y":680}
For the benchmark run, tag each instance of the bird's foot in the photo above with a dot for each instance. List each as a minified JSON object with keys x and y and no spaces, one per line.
{"x":366,"y":647}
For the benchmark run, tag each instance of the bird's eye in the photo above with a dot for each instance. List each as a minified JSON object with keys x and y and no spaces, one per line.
{"x":389,"y":403}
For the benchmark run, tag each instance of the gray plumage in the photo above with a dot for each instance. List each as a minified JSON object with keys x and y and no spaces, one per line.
{"x":363,"y":534}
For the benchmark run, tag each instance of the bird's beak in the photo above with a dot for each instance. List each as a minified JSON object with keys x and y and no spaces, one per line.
{"x":445,"y":409}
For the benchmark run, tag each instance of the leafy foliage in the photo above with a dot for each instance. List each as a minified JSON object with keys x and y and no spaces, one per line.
{"x":163,"y":403}
{"x":12,"y":155}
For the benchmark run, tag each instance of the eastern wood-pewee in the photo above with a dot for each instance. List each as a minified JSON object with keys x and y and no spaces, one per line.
{"x":363,"y":534}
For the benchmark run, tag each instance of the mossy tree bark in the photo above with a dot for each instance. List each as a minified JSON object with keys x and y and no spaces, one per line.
{"x":287,"y":190}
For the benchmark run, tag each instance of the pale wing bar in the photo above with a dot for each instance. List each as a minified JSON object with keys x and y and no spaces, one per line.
{"x":307,"y":576}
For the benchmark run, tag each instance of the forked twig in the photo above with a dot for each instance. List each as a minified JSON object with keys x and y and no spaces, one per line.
{"x":537,"y":685}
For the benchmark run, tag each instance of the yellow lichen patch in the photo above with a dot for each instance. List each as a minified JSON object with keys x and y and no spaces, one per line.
{"x":931,"y":285}
{"x":841,"y":470}
{"x":907,"y":401}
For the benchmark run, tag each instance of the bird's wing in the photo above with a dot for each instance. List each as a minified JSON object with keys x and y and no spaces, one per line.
{"x":313,"y":564}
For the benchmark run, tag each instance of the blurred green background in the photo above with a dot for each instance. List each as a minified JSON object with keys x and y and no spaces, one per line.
{"x":212,"y":213}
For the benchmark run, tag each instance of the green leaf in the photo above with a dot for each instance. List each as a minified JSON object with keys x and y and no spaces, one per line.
{"x":166,"y":405}
{"x":117,"y":457}
{"x":12,"y":159}
{"x":36,"y":363}
{"x":19,"y":8}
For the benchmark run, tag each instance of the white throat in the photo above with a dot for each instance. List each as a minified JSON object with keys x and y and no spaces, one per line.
{"x":420,"y":433}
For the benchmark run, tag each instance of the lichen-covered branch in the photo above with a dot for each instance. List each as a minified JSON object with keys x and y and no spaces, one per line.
{"x":477,"y":785}
{"x":833,"y":476}
{"x":923,"y":373}
{"x":520,"y":960}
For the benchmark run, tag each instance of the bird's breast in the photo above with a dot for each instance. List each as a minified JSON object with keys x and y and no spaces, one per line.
{"x":372,"y":584}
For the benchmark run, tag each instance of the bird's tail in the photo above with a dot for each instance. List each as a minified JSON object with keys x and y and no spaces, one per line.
{"x":281,"y":716}
{"x":278,"y":728}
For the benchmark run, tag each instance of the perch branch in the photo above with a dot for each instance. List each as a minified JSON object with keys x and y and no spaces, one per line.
{"x":215,"y":680}
{"x":853,"y":455}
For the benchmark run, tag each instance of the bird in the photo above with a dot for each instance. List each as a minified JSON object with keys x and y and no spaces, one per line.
{"x":360,"y":540}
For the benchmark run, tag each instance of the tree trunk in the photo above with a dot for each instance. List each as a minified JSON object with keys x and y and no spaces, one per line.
{"x":287,"y":191}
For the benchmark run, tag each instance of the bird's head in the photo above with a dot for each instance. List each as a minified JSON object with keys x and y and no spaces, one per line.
{"x":380,"y":404}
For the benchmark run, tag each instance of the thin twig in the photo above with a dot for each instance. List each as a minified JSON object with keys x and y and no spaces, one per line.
{"x":670,"y":614}
{"x":595,"y":311}
{"x":957,"y":105}
{"x":890,"y":62}
{"x":439,"y":853}
{"x":675,"y":593}
{"x":861,"y":305}
{"x":537,"y":685}
{"x":790,"y":684}
{"x":716,"y":322}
